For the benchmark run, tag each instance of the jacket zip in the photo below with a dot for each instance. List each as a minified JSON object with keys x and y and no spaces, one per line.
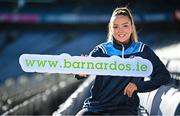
{"x":122,"y":50}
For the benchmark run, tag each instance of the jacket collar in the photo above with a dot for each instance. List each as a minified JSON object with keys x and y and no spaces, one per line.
{"x":120,"y":46}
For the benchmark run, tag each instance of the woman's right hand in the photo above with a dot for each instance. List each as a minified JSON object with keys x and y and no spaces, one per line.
{"x":82,"y":75}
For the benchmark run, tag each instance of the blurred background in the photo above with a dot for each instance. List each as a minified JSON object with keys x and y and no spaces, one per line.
{"x":75,"y":27}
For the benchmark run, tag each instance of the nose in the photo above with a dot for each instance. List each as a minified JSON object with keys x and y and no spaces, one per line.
{"x":120,"y":29}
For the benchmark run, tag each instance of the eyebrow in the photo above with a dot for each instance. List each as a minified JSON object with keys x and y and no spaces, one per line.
{"x":123,"y":23}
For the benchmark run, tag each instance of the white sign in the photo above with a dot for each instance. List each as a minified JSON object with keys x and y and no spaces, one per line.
{"x":67,"y":64}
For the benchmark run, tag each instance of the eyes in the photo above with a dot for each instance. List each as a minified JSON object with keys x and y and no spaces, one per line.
{"x":125,"y":25}
{"x":121,"y":26}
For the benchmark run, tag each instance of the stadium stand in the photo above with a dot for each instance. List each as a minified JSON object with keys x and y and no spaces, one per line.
{"x":75,"y":27}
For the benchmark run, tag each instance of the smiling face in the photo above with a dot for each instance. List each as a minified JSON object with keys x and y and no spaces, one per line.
{"x":121,"y":29}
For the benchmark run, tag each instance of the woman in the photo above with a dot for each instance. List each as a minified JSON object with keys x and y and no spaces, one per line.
{"x":112,"y":95}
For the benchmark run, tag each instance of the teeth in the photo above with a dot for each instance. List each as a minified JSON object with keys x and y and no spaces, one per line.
{"x":121,"y":35}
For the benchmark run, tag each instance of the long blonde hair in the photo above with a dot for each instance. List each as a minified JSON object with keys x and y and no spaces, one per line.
{"x":125,"y":12}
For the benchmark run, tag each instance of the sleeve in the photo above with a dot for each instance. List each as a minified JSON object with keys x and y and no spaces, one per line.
{"x":160,"y":75}
{"x":94,"y":53}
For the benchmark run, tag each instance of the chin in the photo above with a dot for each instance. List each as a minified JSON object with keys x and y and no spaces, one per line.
{"x":122,"y":41}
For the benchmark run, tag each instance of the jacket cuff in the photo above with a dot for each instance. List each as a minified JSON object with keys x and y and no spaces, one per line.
{"x":137,"y":83}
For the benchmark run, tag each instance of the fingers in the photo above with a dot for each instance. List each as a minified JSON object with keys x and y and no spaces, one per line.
{"x":83,"y":75}
{"x":130,"y":89}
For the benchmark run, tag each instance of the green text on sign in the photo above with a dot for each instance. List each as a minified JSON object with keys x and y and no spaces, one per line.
{"x":67,"y":64}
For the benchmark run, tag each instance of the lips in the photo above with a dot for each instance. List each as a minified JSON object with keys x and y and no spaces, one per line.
{"x":121,"y":35}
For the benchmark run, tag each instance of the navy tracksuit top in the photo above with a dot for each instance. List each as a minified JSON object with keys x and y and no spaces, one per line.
{"x":107,"y":91}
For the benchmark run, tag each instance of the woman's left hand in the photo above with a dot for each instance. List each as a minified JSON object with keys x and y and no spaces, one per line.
{"x":130,"y":89}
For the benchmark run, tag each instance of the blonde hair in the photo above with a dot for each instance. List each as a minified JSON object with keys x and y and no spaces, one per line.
{"x":125,"y":12}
